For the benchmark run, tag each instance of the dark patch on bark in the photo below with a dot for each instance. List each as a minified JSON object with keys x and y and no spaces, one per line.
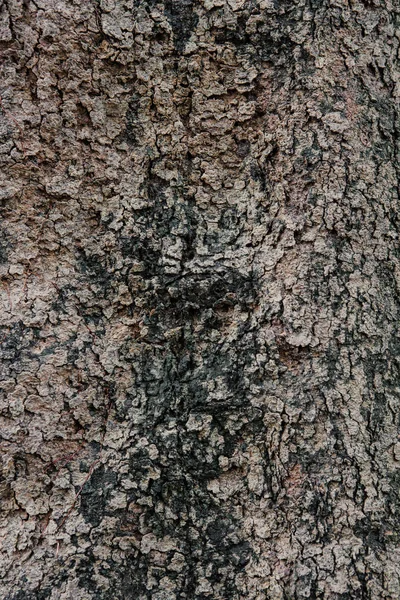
{"x":25,"y":595}
{"x":271,"y":40}
{"x":372,"y":534}
{"x":154,"y":224}
{"x":133,"y":129}
{"x":16,"y":342}
{"x":183,"y":19}
{"x":95,"y":495}
{"x":4,"y":246}
{"x":171,"y":386}
{"x":96,"y":268}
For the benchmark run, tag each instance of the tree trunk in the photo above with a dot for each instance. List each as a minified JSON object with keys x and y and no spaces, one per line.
{"x":200,"y":274}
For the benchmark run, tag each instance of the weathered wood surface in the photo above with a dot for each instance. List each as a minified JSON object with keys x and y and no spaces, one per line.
{"x":200,"y":276}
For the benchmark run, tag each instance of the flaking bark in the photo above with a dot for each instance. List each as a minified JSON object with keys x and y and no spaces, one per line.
{"x":200,"y":271}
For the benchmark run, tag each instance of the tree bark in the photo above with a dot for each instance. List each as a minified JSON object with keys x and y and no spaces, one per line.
{"x":200,"y":308}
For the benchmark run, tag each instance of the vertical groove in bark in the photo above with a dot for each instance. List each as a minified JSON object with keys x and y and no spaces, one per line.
{"x":199,"y":262}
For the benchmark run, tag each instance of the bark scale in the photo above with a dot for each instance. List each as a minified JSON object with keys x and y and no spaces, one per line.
{"x":200,"y":275}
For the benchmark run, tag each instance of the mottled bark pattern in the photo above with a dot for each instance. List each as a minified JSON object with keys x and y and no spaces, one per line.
{"x":200,"y":273}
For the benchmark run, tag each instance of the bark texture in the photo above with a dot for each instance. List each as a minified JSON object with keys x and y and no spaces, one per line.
{"x":200,"y":270}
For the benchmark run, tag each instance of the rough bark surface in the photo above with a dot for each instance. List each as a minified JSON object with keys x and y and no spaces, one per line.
{"x":200,"y":271}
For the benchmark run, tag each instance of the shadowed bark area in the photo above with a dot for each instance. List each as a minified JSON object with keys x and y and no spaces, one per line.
{"x":199,"y":325}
